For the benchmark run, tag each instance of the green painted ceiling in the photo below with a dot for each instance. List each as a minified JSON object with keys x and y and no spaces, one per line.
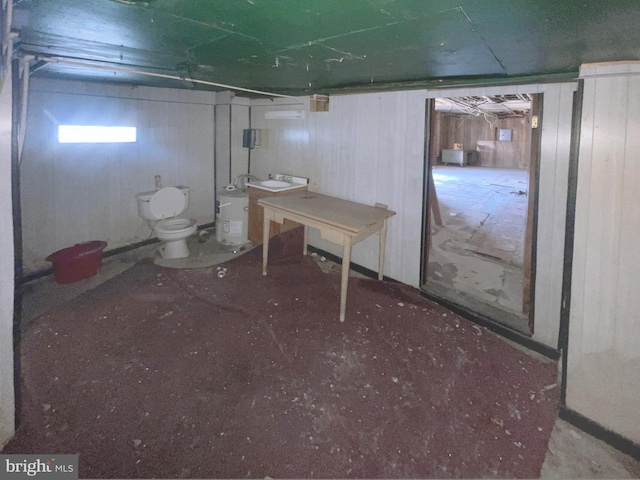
{"x":324,"y":46}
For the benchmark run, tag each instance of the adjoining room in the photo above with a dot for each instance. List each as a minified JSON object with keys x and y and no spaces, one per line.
{"x":480,"y":166}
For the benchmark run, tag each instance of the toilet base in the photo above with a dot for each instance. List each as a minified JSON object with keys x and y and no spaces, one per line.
{"x":174,"y":249}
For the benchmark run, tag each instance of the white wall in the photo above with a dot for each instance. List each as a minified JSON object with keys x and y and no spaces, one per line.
{"x":552,"y":205}
{"x":603,"y":374}
{"x":232,"y":117}
{"x":369,"y":148}
{"x":7,"y":399}
{"x":81,"y":192}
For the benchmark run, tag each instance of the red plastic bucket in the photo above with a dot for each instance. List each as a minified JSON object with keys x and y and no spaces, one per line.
{"x":83,"y":260}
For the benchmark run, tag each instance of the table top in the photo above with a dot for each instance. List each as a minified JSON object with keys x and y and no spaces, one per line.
{"x":344,"y":214}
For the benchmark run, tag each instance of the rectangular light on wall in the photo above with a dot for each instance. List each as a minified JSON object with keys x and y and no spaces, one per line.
{"x":95,"y":134}
{"x":284,"y":115}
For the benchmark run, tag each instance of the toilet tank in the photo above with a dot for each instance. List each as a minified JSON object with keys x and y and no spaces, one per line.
{"x":186,"y":191}
{"x":143,"y":200}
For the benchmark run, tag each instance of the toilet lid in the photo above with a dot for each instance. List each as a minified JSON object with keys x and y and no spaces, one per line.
{"x":167,"y":202}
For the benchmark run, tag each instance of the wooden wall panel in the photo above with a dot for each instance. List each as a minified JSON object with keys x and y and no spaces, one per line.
{"x":495,"y":154}
{"x":223,"y":149}
{"x":476,"y":133}
{"x":552,"y":199}
{"x":239,"y":121}
{"x":8,"y":355}
{"x":366,"y":148}
{"x":286,"y":141}
{"x":80,"y":192}
{"x":603,"y":359}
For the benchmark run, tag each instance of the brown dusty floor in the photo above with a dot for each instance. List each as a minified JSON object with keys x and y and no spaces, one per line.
{"x":571,"y":453}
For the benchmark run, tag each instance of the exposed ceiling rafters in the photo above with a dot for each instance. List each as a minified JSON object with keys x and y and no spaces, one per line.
{"x":498,"y":106}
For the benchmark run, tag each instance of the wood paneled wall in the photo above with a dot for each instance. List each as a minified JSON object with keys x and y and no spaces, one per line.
{"x":7,"y":355}
{"x":78,"y":192}
{"x":367,"y":148}
{"x":231,"y":118}
{"x":553,"y":172}
{"x":603,"y":379}
{"x":476,"y":133}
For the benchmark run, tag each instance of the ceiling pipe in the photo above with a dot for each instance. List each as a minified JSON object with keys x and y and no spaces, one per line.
{"x":22,"y":124}
{"x":9,"y":36}
{"x":7,"y":6}
{"x":158,"y":75}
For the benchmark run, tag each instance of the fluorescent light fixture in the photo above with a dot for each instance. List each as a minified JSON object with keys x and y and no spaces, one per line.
{"x":95,"y":134}
{"x":284,"y":115}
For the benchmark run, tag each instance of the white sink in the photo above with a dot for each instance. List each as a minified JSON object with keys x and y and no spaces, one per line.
{"x":279,"y":184}
{"x":275,"y":183}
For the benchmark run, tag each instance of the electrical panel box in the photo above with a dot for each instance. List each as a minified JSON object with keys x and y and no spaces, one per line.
{"x":504,"y":134}
{"x":251,"y":138}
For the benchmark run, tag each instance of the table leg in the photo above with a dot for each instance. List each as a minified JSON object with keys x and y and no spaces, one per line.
{"x":265,"y":242}
{"x":383,"y":244}
{"x":346,"y":262}
{"x":306,"y":240}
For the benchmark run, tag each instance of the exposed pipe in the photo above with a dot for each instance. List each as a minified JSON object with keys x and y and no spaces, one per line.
{"x":159,"y":75}
{"x":239,"y":182}
{"x":22,"y":124}
{"x":8,"y":20}
{"x":7,"y":42}
{"x":7,"y":49}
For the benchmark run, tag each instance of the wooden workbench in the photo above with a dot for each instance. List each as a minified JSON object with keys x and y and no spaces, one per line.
{"x":340,"y":221}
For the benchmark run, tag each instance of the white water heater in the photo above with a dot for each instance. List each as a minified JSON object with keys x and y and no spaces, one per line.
{"x":232,"y":217}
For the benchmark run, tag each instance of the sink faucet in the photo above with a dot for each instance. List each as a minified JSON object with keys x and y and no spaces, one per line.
{"x":241,"y":179}
{"x":287,"y":178}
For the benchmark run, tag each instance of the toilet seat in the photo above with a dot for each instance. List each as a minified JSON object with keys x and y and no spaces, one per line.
{"x":175,"y":226}
{"x":167,"y":202}
{"x":173,"y":232}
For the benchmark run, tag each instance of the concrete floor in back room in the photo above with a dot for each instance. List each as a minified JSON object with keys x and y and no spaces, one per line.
{"x":572,"y":453}
{"x":476,"y":255}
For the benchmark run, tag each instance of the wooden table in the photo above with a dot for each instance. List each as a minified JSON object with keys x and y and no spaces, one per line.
{"x":340,"y":221}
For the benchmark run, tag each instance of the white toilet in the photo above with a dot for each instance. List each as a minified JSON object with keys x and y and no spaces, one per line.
{"x":161,"y":209}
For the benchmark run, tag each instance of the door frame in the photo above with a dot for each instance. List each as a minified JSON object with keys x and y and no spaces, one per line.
{"x":531,"y":235}
{"x":529,"y":267}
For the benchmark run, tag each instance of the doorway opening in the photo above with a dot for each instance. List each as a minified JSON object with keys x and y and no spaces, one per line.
{"x":481,"y":204}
